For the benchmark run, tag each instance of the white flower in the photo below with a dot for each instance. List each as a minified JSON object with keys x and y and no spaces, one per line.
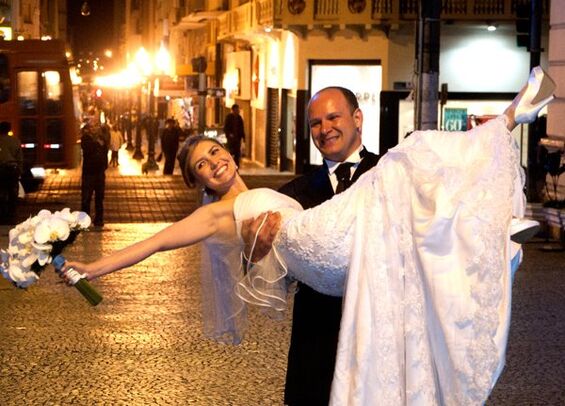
{"x":39,"y":253}
{"x":66,"y":215}
{"x":25,"y":237}
{"x":42,"y":251}
{"x":51,"y":229}
{"x":14,"y":249}
{"x":43,"y":214}
{"x":20,"y":276}
{"x":81,"y":219}
{"x":29,"y":243}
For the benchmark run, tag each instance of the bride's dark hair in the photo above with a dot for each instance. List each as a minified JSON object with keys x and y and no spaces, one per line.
{"x":185,"y":154}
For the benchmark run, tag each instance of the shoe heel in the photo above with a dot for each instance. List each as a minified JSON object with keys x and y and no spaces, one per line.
{"x":538,"y":93}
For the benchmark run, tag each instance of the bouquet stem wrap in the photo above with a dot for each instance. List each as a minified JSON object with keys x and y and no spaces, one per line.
{"x":78,"y":281}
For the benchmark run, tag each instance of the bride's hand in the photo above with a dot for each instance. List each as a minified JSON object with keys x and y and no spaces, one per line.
{"x":266,"y":236}
{"x":74,"y":266}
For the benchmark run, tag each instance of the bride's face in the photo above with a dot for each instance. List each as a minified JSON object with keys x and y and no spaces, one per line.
{"x":213,"y":166}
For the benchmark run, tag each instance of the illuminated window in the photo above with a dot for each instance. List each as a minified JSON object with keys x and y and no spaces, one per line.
{"x":52,"y":92}
{"x":27,"y":92}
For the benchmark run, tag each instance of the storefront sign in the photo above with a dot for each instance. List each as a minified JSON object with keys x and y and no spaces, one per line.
{"x":455,"y":119}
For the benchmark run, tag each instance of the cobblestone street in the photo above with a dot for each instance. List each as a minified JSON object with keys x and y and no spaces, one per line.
{"x":143,"y":345}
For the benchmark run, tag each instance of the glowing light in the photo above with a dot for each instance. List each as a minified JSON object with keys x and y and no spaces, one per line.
{"x":143,"y":61}
{"x":108,"y":53}
{"x":38,"y":172}
{"x":163,"y":61}
{"x":491,"y":27}
{"x":20,"y":38}
{"x":126,"y":79}
{"x":6,"y":32}
{"x":75,"y":78}
{"x":85,"y":9}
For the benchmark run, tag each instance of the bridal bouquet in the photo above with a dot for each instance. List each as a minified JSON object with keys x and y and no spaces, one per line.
{"x":34,"y":243}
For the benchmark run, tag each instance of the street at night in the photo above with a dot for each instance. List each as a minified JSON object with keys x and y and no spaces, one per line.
{"x":144,"y":344}
{"x":410,"y":141}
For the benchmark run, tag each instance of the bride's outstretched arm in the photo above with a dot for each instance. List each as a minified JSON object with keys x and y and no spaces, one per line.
{"x":201,"y":224}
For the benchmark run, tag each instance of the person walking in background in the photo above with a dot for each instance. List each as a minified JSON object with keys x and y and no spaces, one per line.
{"x":94,"y":147}
{"x":11,"y":167}
{"x":170,"y":145}
{"x":235,"y":134}
{"x":116,"y":141}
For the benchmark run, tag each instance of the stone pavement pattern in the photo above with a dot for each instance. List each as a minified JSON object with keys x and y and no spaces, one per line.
{"x":143,"y":345}
{"x":129,"y":199}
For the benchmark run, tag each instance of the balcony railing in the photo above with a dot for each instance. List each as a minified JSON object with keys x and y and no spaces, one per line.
{"x":278,"y":13}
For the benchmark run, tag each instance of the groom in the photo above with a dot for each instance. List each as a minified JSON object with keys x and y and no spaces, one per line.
{"x":335,"y":124}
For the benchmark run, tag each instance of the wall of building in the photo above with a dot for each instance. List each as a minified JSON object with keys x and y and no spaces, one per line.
{"x":344,"y":45}
{"x":556,"y":110}
{"x":556,"y":116}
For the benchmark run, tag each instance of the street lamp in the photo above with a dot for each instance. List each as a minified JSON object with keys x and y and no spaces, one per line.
{"x":161,"y":66}
{"x":143,"y":72}
{"x":143,"y":67}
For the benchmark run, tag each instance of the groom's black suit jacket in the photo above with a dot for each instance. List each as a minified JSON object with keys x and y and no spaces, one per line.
{"x":316,"y":317}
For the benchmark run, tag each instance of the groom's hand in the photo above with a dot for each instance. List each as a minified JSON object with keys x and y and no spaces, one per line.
{"x":265,"y":234}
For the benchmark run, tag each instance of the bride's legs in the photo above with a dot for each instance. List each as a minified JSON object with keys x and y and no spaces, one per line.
{"x":535,"y":95}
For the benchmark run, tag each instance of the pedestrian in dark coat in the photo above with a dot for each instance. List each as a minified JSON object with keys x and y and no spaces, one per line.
{"x":11,"y":166}
{"x":170,"y":145}
{"x":94,"y":144}
{"x":235,"y":134}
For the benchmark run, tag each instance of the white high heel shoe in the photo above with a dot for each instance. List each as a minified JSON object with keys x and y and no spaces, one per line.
{"x":538,"y":94}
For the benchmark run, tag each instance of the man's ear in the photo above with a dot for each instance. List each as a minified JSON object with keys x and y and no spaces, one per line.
{"x":358,"y":119}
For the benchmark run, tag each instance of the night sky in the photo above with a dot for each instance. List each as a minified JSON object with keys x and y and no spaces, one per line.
{"x":92,"y":33}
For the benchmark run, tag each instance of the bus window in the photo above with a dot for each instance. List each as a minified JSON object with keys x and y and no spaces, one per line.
{"x":27,"y":93}
{"x":4,"y":79}
{"x":53,"y":92}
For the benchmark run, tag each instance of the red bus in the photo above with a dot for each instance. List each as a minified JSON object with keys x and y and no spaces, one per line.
{"x":36,"y":97}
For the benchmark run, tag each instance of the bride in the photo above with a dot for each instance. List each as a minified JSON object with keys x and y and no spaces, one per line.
{"x":419,"y":249}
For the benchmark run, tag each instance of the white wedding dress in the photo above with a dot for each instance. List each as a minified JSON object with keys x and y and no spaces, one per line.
{"x":419,"y":247}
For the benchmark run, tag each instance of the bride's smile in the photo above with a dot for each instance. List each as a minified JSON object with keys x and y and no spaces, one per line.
{"x":214,"y":167}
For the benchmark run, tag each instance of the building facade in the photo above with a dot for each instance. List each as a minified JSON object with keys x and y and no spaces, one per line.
{"x":269,"y":56}
{"x":33,"y":19}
